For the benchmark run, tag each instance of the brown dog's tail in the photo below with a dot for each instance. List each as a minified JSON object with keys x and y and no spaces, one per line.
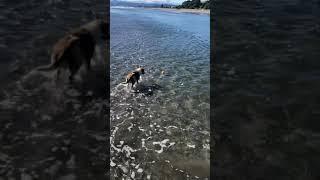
{"x":49,"y":67}
{"x":125,"y":82}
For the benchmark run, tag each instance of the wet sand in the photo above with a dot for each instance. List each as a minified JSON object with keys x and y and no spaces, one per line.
{"x":194,"y":11}
{"x":48,"y":130}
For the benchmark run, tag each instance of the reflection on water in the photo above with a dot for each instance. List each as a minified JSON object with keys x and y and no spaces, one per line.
{"x":160,"y":128}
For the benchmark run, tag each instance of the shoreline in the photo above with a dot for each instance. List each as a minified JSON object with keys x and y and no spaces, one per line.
{"x":193,"y":11}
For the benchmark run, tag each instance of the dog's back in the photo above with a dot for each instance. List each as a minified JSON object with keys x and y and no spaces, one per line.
{"x":97,"y":28}
{"x":61,"y":47}
{"x":77,"y":46}
{"x":132,"y":77}
{"x":86,"y":43}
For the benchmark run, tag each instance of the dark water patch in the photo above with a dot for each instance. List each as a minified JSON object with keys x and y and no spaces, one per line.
{"x":266,"y":104}
{"x":147,"y":90}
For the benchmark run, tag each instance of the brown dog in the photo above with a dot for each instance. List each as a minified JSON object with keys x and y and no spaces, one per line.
{"x":77,"y":47}
{"x":134,"y":76}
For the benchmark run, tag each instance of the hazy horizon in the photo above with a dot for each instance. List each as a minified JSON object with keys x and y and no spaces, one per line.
{"x":154,"y":1}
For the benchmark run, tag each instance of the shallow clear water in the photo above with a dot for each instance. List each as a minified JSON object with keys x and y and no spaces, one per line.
{"x":160,"y":128}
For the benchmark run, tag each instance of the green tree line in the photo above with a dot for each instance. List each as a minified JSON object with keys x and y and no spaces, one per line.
{"x":194,"y":4}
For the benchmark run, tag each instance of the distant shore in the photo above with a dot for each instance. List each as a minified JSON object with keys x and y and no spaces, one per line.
{"x":195,"y":11}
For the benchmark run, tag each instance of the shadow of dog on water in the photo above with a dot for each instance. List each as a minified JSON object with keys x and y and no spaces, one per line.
{"x":146,"y":90}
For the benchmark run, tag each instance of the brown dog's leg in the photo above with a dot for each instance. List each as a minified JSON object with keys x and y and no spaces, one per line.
{"x":71,"y":78}
{"x":58,"y":74}
{"x":75,"y":61}
{"x":88,"y":63}
{"x":73,"y":68}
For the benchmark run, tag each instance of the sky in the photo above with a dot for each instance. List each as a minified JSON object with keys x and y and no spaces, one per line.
{"x":160,"y":1}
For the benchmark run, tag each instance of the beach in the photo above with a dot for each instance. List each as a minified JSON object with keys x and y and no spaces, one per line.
{"x":194,"y":11}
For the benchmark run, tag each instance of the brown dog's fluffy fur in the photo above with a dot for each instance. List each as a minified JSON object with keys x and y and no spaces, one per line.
{"x":77,"y":47}
{"x":134,"y":76}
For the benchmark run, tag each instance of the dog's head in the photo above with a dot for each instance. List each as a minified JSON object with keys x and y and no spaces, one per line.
{"x":141,"y":70}
{"x":98,"y":28}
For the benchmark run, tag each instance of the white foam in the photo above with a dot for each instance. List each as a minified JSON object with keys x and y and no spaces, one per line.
{"x":112,"y":164}
{"x":141,"y":129}
{"x":130,"y":127}
{"x":112,"y":140}
{"x":128,"y":150}
{"x":143,"y":143}
{"x":175,"y":127}
{"x":159,"y":151}
{"x":115,"y":148}
{"x":133,"y":175}
{"x":191,"y":145}
{"x":124,"y":169}
{"x":163,"y":145}
{"x":171,"y":144}
{"x":165,"y":141}
{"x":206,"y":146}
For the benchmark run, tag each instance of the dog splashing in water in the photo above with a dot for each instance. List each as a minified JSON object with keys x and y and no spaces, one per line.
{"x":134,"y":76}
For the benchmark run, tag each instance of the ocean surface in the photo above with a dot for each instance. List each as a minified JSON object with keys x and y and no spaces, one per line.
{"x":160,"y":129}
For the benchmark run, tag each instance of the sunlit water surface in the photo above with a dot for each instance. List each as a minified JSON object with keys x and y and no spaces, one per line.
{"x":160,"y":128}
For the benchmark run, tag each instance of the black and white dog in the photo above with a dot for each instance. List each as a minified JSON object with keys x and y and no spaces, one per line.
{"x":134,"y":76}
